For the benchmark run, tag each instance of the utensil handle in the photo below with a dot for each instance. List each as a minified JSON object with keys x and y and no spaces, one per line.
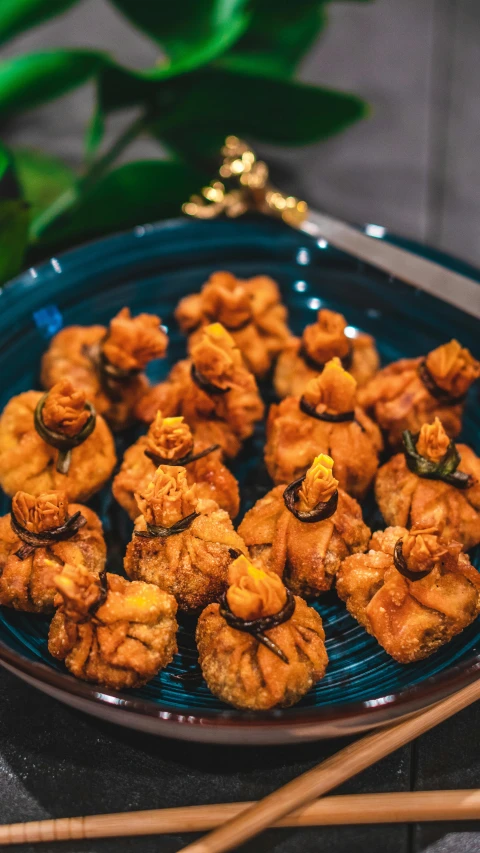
{"x":458,"y":290}
{"x":406,"y":806}
{"x":330,"y":773}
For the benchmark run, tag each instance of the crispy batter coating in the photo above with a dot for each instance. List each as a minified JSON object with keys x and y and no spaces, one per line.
{"x":192,"y":565}
{"x":28,"y":462}
{"x":251,"y":310}
{"x":120,"y":637}
{"x":407,"y":499}
{"x":225,"y":407}
{"x":303,"y":358}
{"x":237,"y":667}
{"x":411,"y":619}
{"x":107,"y":364}
{"x":399,"y":399}
{"x":307,"y":555}
{"x":294,"y":437}
{"x":28,"y":584}
{"x":172,"y":439}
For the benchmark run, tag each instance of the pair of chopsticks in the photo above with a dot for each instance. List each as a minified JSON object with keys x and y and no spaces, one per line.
{"x":405,"y":807}
{"x":237,"y":822}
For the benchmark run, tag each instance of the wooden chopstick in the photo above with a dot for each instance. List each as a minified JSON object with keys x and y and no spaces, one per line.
{"x":404,"y":807}
{"x":330,"y":773}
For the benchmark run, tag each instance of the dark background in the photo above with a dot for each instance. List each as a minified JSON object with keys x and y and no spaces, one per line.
{"x":414,"y":167}
{"x":55,"y":762}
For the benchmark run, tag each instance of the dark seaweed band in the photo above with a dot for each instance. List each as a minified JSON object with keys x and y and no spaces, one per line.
{"x":339,"y":418}
{"x":434,"y":389}
{"x":102,"y":578}
{"x":157,"y":531}
{"x":445,"y":470}
{"x":235,"y":554}
{"x":318,"y":366}
{"x":257,"y":627}
{"x":63,"y":443}
{"x":401,"y":565}
{"x":185,"y":460}
{"x":320,"y":512}
{"x":49,"y":537}
{"x":204,"y":384}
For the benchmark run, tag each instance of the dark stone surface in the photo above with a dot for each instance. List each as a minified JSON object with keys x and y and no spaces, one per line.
{"x":56,"y":762}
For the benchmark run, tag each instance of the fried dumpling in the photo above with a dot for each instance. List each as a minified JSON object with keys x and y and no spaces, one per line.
{"x":38,"y":537}
{"x":169,"y":441}
{"x":112,"y":631}
{"x":412,"y":591}
{"x":261,"y":647}
{"x":303,"y":531}
{"x":181,"y":543}
{"x":413,"y":391}
{"x":304,"y":358}
{"x":54,"y":441}
{"x":250,"y":309}
{"x":433,"y":483}
{"x":213,"y":390}
{"x":325,"y":419}
{"x":107,"y":363}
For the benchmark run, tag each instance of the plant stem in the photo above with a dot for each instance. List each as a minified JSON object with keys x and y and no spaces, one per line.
{"x":67,"y":199}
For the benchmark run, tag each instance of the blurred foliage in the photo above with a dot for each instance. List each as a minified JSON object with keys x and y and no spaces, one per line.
{"x":224,"y":67}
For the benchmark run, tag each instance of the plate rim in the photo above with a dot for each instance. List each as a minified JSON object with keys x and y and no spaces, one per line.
{"x":369,"y":713}
{"x":365,"y":714}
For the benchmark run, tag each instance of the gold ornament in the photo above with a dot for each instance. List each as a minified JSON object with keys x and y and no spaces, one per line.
{"x":242,"y":185}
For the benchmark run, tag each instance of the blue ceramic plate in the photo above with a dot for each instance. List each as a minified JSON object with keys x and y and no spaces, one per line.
{"x":149,"y":269}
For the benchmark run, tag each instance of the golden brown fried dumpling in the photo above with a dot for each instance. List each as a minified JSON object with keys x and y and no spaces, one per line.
{"x":325,"y":419}
{"x":412,"y":597}
{"x":69,"y":533}
{"x":412,"y":391}
{"x":303,"y":358}
{"x":181,"y":543}
{"x":433,"y":483}
{"x":254,"y":666}
{"x":302,"y":532}
{"x":169,"y":441}
{"x":111,"y":631}
{"x":29,"y":461}
{"x":214,"y":391}
{"x":251,"y":310}
{"x":108,"y":364}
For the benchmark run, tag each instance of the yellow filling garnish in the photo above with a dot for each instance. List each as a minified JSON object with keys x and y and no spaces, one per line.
{"x":433,"y":441}
{"x":453,"y":367}
{"x":216,"y":330}
{"x":252,"y":592}
{"x":170,"y":437}
{"x":333,"y":391}
{"x":168,"y":497}
{"x":41,"y":513}
{"x":319,"y":484}
{"x":421,"y":549}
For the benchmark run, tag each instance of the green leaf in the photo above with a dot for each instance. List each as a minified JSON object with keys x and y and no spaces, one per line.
{"x":42,"y":177}
{"x":19,"y":15}
{"x":279,"y":35}
{"x":94,"y":134}
{"x":127,"y":196}
{"x":32,"y":79}
{"x":14,"y":216}
{"x":259,"y":107}
{"x":9,"y":185}
{"x":191,"y":32}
